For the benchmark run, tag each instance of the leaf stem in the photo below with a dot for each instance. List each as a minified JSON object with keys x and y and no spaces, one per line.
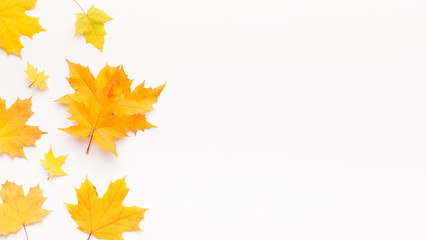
{"x":25,"y":229}
{"x":32,"y":84}
{"x":90,"y":141}
{"x":80,"y":7}
{"x":89,"y":236}
{"x":94,"y":128}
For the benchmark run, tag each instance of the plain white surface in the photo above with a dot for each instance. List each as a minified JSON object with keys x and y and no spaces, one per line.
{"x":280,"y":119}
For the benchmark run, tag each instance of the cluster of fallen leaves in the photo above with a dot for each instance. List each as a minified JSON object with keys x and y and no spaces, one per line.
{"x":104,"y":108}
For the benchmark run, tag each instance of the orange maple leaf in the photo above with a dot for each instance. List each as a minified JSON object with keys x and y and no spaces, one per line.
{"x":105,"y":107}
{"x":14,"y":133}
{"x":17,"y":210}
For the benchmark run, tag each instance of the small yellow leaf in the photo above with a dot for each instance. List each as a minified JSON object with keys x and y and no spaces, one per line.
{"x":14,"y":133}
{"x":106,"y":217}
{"x":37,"y":79}
{"x":17,"y":210}
{"x":53,"y":165}
{"x":91,"y":25}
{"x":15,"y":23}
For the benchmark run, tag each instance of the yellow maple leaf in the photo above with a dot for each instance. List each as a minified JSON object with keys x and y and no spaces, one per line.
{"x":15,"y":23}
{"x":106,"y":217}
{"x":38,"y":79}
{"x":105,"y":107}
{"x":14,"y":133}
{"x":91,"y":25}
{"x":17,"y":210}
{"x":53,"y":165}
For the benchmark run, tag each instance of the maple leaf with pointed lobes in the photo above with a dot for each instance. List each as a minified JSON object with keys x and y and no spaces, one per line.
{"x":91,"y":25}
{"x":37,"y":79}
{"x":14,"y":133}
{"x":53,"y":164}
{"x":106,"y":217}
{"x":17,"y":210}
{"x":105,"y":107}
{"x":15,"y":23}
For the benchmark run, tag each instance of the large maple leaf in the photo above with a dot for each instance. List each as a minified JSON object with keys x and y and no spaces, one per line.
{"x":14,"y":133}
{"x":17,"y":210}
{"x":15,"y":23}
{"x":106,"y":217}
{"x":106,"y":107}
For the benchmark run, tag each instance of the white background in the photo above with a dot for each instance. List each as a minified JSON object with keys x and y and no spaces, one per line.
{"x":280,"y":119}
